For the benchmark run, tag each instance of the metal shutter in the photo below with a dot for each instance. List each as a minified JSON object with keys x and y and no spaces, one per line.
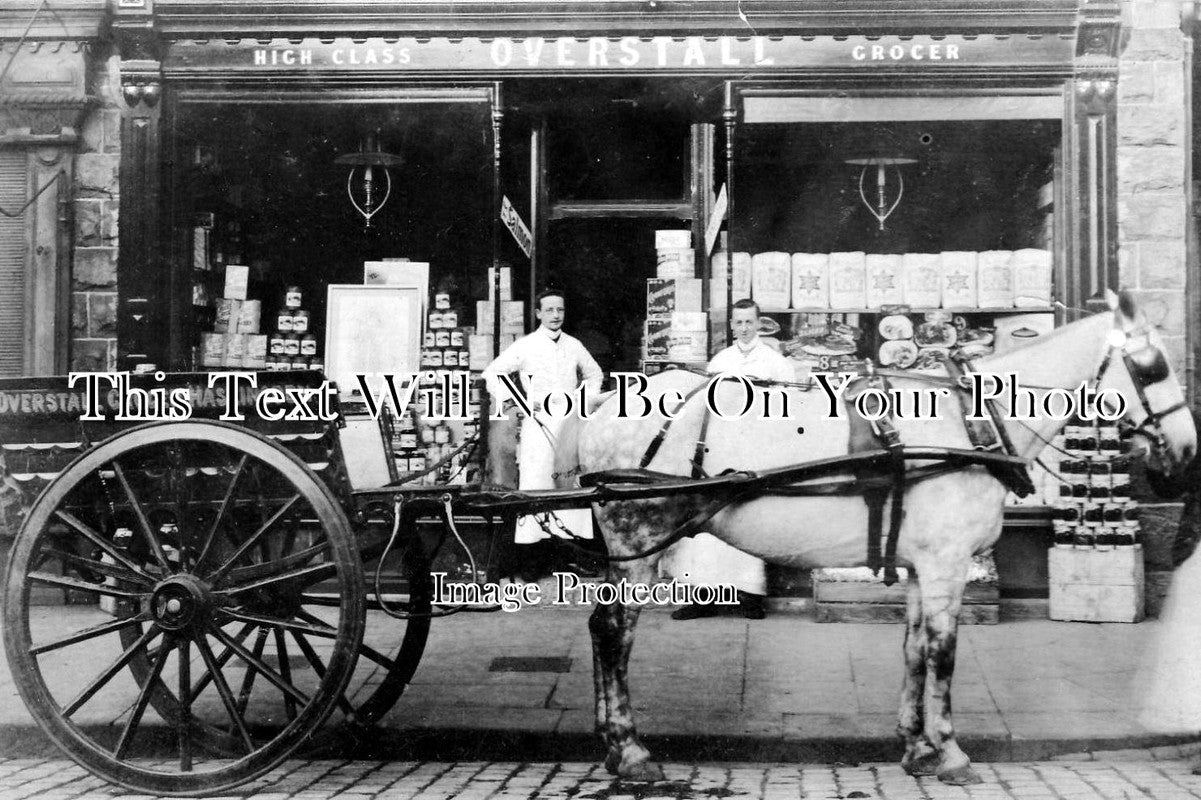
{"x":13,"y":277}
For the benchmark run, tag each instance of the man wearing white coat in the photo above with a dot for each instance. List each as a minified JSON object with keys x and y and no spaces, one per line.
{"x":705,"y":558}
{"x":547,"y":360}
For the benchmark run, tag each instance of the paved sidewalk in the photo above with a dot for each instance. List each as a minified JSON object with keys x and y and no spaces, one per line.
{"x":783,"y":689}
{"x":475,"y":780}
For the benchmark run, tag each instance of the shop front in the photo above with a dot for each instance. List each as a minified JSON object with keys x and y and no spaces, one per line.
{"x":655,"y":161}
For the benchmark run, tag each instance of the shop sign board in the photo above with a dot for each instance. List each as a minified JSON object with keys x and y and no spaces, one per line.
{"x":516,"y":226}
{"x":601,"y":54}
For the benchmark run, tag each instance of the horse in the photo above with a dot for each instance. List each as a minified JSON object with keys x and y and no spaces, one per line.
{"x":948,"y":516}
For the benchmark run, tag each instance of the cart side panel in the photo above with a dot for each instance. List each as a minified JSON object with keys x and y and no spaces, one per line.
{"x":42,"y":430}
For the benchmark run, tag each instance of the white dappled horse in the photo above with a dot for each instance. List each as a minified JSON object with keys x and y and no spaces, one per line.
{"x":948,"y":518}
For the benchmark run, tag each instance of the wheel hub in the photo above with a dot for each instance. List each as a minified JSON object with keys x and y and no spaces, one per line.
{"x":179,"y":602}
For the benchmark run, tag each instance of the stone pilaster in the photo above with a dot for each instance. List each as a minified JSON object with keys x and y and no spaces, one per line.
{"x":97,"y":200}
{"x":1153,"y":167}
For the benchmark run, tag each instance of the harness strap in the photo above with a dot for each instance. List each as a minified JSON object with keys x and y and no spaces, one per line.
{"x":865,"y":434}
{"x":652,"y":449}
{"x":991,"y":434}
{"x":698,"y":457}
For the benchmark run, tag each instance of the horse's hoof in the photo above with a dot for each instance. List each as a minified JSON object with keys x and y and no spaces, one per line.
{"x":921,"y":766}
{"x":612,"y":762}
{"x":960,"y":776}
{"x":642,"y":772}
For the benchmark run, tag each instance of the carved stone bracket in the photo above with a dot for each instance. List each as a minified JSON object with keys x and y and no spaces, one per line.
{"x":44,"y":93}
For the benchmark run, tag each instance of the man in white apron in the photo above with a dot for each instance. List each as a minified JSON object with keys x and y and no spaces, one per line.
{"x":706,"y":559}
{"x":547,"y":360}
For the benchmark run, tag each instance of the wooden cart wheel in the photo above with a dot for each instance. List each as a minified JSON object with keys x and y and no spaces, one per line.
{"x":200,"y":539}
{"x":388,"y":658}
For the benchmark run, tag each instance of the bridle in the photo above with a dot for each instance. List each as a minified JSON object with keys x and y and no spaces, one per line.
{"x":1147,"y":366}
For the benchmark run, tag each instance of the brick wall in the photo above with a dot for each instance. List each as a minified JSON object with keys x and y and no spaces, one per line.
{"x":94,"y":269}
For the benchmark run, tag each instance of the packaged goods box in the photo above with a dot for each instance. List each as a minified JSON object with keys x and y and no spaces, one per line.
{"x":667,"y":295}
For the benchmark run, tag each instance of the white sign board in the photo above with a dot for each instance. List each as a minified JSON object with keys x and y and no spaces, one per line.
{"x":713,"y":226}
{"x":512,"y":221}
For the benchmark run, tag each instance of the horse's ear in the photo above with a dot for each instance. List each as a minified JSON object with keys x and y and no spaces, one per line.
{"x":1111,"y":300}
{"x":1126,"y":304}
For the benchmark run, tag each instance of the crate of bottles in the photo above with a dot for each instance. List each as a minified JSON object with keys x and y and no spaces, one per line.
{"x":1095,"y":567}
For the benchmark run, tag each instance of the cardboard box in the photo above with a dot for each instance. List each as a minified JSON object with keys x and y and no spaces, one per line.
{"x":228,"y":314}
{"x":667,"y":295}
{"x":235,"y":349}
{"x":212,"y":349}
{"x":256,"y":352}
{"x":237,"y":279}
{"x":512,"y":319}
{"x":675,"y":263}
{"x":249,"y":317}
{"x":674,"y":239}
{"x":657,"y":339}
{"x":479,"y":350}
{"x":200,"y":248}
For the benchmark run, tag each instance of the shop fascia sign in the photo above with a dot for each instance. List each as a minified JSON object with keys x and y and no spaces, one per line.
{"x":617,"y":54}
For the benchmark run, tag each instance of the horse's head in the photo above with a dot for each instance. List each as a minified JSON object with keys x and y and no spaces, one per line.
{"x":1157,"y":420}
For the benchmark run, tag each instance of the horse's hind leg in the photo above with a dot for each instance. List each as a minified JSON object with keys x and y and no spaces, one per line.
{"x":941,"y":589}
{"x":921,"y":758}
{"x":612,"y":628}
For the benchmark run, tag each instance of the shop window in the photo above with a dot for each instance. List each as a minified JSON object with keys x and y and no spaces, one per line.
{"x":14,"y":330}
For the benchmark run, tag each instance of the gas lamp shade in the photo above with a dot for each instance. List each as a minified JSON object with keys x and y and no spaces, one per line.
{"x":882,"y":209}
{"x":368,"y":163}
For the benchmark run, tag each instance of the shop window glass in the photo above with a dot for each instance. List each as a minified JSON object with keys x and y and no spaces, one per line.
{"x":13,"y":278}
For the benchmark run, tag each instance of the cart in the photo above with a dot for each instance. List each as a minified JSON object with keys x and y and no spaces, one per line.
{"x":237,"y":593}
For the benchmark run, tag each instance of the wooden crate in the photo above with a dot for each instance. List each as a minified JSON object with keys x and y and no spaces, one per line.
{"x":872,"y":601}
{"x":1094,"y":585}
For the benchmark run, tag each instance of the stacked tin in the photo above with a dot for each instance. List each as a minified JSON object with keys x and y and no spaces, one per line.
{"x":293,"y":345}
{"x":1094,"y":507}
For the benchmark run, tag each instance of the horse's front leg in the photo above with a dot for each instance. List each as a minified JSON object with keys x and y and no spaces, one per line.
{"x":941,"y":596}
{"x":920,"y":756}
{"x":612,"y":628}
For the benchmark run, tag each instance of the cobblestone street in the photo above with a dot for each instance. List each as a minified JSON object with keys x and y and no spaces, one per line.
{"x":1143,"y":774}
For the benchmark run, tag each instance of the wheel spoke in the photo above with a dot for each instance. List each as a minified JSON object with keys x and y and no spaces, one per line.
{"x":253,"y":539}
{"x":241,"y":575}
{"x":285,"y":670}
{"x":225,"y":656}
{"x":319,"y":668}
{"x":226,"y":502}
{"x":89,"y":633}
{"x":257,"y":663}
{"x":107,"y":546}
{"x":185,"y":706}
{"x":248,"y":679}
{"x":227,"y":696}
{"x":377,"y":657}
{"x":314,"y":572}
{"x":91,"y":565}
{"x":83,"y":586}
{"x":156,"y":546}
{"x":325,"y":631}
{"x":139,"y":708}
{"x":107,"y":675}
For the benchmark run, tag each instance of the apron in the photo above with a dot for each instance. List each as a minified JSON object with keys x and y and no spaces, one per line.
{"x":536,"y":462}
{"x":1170,"y":677}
